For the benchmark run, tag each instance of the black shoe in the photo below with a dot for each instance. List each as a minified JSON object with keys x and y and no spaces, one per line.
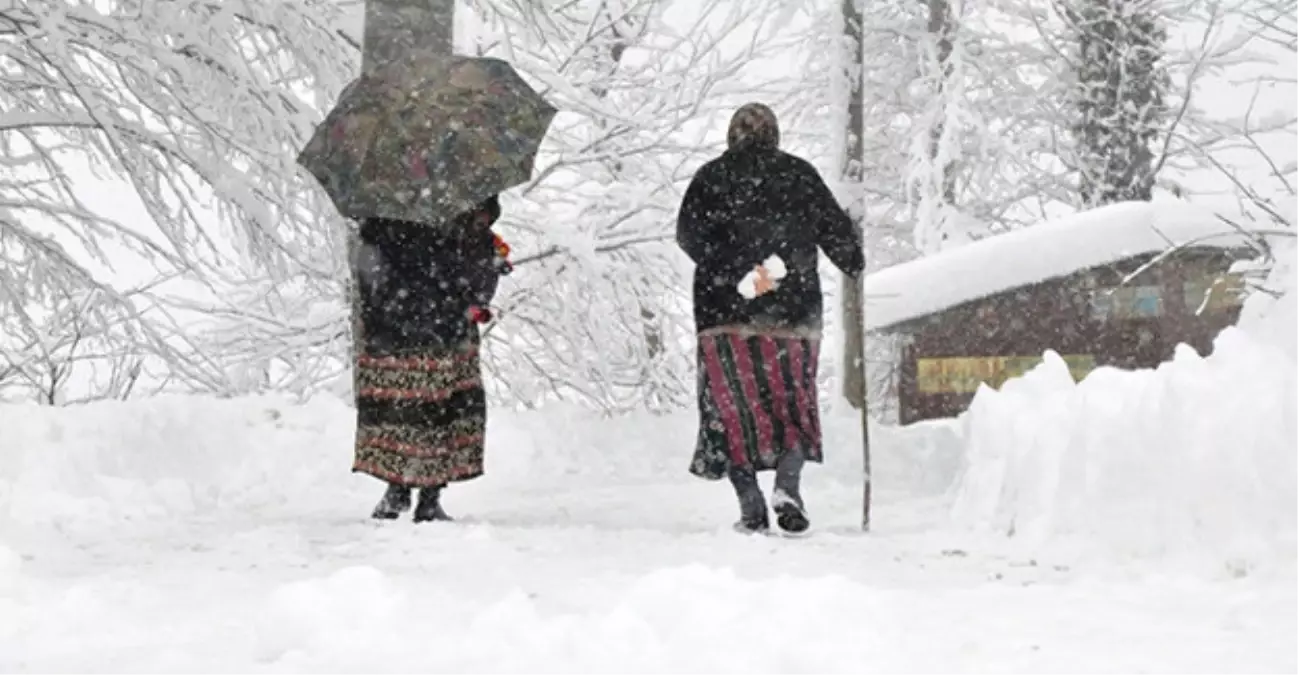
{"x":430,"y":505}
{"x":754,"y":524}
{"x":789,"y":513}
{"x":753,"y":515}
{"x":395,"y":502}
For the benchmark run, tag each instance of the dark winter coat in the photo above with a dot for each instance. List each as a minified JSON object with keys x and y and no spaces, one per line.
{"x":418,"y":282}
{"x":752,"y":202}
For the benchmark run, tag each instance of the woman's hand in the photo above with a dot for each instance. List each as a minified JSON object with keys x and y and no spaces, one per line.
{"x":763,"y":278}
{"x":763,"y":284}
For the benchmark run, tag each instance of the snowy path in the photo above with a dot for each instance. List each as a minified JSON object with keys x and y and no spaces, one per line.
{"x":560,"y":563}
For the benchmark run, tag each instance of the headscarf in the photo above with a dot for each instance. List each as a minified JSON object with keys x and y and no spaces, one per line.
{"x":753,"y":124}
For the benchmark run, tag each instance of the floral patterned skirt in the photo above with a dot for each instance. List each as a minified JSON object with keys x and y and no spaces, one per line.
{"x":757,"y":401}
{"x":421,"y":416}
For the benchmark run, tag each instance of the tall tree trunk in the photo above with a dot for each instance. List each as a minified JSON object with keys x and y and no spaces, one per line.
{"x":394,"y":28}
{"x":1119,"y":97}
{"x":936,"y":219}
{"x":397,"y":27}
{"x":942,"y":26}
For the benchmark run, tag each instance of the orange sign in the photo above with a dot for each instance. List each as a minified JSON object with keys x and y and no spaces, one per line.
{"x":963,"y":374}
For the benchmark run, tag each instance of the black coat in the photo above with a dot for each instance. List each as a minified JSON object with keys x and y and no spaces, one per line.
{"x":747,"y":205}
{"x":418,"y":282}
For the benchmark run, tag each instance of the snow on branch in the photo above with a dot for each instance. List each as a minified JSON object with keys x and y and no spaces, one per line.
{"x":191,"y":110}
{"x":598,"y":310}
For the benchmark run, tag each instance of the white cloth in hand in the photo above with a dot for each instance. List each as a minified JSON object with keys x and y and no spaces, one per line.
{"x":775,"y":270}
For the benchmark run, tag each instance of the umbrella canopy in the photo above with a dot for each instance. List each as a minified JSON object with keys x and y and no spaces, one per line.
{"x":428,"y":137}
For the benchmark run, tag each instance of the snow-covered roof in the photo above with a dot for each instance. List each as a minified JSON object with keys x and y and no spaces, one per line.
{"x":1030,"y":255}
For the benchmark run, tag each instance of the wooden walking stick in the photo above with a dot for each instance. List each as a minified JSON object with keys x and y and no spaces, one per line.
{"x":855,"y":377}
{"x":865,"y":414}
{"x":855,"y":384}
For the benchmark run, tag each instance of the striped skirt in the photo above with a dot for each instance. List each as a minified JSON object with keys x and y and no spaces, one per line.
{"x":757,"y":401}
{"x":421,"y":416}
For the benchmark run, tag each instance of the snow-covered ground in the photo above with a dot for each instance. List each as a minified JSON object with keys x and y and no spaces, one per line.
{"x":1152,"y":516}
{"x":195,"y":534}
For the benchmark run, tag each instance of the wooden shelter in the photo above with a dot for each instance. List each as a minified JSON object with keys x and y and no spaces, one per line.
{"x":1088,"y":287}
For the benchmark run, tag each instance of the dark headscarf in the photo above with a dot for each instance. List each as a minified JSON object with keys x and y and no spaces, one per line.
{"x":753,"y":124}
{"x":492,"y":206}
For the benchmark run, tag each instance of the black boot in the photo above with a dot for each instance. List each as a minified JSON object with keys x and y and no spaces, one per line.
{"x":790,"y":513}
{"x":395,"y":502}
{"x":430,"y":505}
{"x":753,"y":516}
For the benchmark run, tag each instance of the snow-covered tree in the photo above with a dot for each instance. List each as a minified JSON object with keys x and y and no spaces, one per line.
{"x":1213,"y":48}
{"x":1268,"y":143}
{"x":938,"y":155}
{"x":191,"y":112}
{"x":598,"y":308}
{"x":1119,"y":92}
{"x":626,"y":25}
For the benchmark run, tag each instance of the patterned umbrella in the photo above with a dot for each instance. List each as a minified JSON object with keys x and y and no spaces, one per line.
{"x":428,"y":137}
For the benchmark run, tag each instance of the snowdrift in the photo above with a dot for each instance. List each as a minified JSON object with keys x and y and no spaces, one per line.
{"x":1193,"y":460}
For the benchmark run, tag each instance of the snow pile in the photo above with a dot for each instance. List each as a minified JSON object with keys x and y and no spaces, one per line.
{"x":1195,"y":460}
{"x":358,"y":618}
{"x":1196,"y":457}
{"x":684,"y":618}
{"x":164,"y":457}
{"x":336,"y":613}
{"x":1269,"y":318}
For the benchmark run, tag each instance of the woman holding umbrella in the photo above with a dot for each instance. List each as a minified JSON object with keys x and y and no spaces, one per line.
{"x":421,"y":409}
{"x":417,"y":151}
